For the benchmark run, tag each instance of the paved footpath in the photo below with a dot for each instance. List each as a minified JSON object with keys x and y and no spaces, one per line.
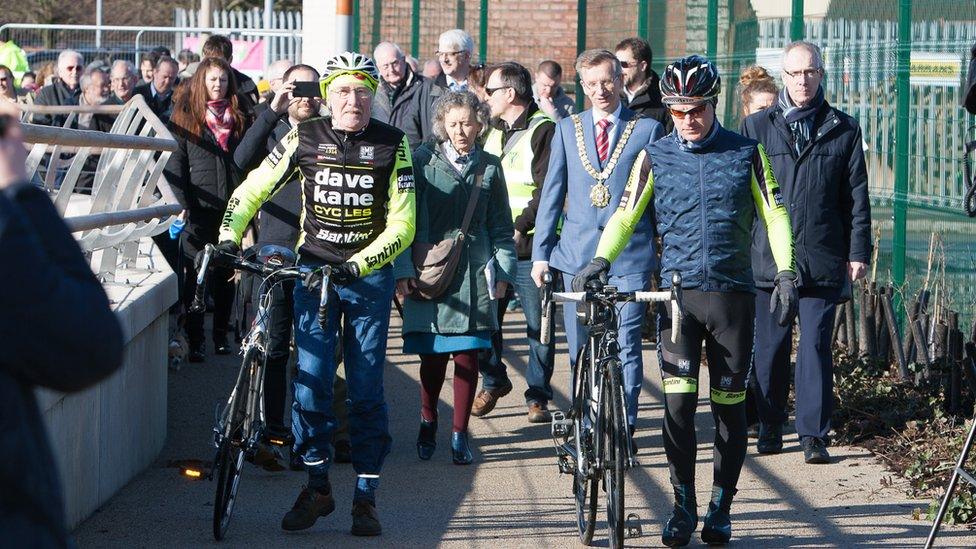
{"x":513,"y":496}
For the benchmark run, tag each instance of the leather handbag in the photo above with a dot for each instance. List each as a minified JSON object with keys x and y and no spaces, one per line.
{"x":436,"y":264}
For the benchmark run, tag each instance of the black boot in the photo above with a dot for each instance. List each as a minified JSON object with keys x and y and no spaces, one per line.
{"x":460,"y":452}
{"x":717,"y":528}
{"x":426,"y":439}
{"x":684,"y":518}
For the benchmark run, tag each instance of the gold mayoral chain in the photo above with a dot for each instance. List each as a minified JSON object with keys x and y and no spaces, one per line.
{"x":599,"y":192}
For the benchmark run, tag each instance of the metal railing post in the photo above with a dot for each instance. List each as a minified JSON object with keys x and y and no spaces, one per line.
{"x":796,"y":21}
{"x":415,"y":29}
{"x":580,"y":47}
{"x":711,"y":40}
{"x":377,"y":22}
{"x":483,"y":32}
{"x":642,"y":16}
{"x":903,"y":99}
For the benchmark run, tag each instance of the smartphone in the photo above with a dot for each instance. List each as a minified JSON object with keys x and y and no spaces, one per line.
{"x":306,"y":89}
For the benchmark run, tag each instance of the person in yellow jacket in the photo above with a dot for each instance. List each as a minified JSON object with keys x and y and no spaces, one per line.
{"x":13,"y":57}
{"x":520,"y":136}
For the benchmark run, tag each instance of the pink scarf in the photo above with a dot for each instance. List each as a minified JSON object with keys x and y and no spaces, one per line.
{"x":220,"y":121}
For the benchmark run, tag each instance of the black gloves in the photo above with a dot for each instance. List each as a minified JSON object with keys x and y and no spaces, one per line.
{"x":346,"y":273}
{"x":228,"y":247}
{"x":785,"y":297}
{"x":595,"y":271}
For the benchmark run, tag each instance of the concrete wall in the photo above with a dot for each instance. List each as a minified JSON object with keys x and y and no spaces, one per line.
{"x":104,"y":436}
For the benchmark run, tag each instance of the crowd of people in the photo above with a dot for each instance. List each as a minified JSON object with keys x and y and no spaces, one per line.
{"x":398,"y":168}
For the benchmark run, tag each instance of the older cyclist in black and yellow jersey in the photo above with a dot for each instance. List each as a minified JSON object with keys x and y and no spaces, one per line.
{"x":705,"y":187}
{"x":358,"y":214}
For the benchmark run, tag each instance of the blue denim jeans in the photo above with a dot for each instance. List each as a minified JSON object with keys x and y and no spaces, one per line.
{"x":365,"y":307}
{"x":538,"y":372}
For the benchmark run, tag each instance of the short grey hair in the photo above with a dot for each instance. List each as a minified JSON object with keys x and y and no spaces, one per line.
{"x":455,"y":100}
{"x":86,"y":79}
{"x":594,"y":57}
{"x":391,"y":45}
{"x":65,"y":54}
{"x":810,"y":47}
{"x":457,"y":38}
{"x":130,"y":69}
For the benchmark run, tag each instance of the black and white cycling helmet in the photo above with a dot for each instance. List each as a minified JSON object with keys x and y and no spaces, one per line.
{"x":351,"y":63}
{"x":691,"y":79}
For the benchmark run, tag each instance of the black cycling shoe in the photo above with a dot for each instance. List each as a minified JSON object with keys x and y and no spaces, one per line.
{"x":310,"y":505}
{"x":684,"y":518}
{"x":221,"y":347}
{"x":815,"y":450}
{"x":717,"y":528}
{"x":295,"y":462}
{"x":365,"y":521}
{"x":427,"y":439}
{"x":342,"y":451}
{"x":770,"y":438}
{"x":460,"y":451}
{"x":197,"y":353}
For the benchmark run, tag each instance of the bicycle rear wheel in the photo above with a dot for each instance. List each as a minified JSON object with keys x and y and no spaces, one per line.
{"x":229,"y":463}
{"x":615,"y":436}
{"x":584,"y":488}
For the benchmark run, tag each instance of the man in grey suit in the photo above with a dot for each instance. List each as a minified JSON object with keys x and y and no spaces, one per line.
{"x":591,"y":157}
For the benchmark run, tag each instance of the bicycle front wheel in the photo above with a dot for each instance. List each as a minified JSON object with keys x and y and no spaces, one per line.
{"x":584,"y":488}
{"x":229,"y":462}
{"x":615,"y":436}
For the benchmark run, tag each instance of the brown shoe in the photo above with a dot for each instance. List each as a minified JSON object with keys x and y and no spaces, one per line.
{"x":539,"y":413}
{"x":485,"y":402}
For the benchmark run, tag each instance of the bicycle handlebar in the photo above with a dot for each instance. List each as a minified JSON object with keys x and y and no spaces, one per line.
{"x":275,"y":274}
{"x":610,"y":295}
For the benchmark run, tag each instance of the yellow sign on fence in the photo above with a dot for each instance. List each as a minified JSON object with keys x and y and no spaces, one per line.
{"x":936,"y":69}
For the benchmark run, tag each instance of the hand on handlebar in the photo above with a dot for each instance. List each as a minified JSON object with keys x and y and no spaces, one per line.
{"x":344,"y":274}
{"x":594,"y":274}
{"x":228,"y":247}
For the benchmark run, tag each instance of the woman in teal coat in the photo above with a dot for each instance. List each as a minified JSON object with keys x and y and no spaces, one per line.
{"x":460,"y":321}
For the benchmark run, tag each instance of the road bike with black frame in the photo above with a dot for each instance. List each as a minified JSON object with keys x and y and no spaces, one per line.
{"x":593,"y":439}
{"x":239,"y":426}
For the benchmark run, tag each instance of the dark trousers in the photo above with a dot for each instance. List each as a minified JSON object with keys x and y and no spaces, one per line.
{"x":814,"y":364}
{"x":220,"y":285}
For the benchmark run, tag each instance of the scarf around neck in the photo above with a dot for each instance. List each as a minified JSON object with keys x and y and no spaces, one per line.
{"x":800,"y":119}
{"x":695,"y":146}
{"x":220,"y":121}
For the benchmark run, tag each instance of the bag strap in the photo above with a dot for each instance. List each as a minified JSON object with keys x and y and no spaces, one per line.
{"x":473,"y":200}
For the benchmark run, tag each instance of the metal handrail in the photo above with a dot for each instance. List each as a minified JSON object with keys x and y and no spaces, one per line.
{"x":48,"y":135}
{"x":108,"y":219}
{"x":132,"y":28}
{"x":61,"y":109}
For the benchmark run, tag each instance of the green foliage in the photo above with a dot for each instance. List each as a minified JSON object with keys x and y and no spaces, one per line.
{"x":907,"y":428}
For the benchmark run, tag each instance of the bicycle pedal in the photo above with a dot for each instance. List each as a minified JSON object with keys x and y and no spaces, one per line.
{"x":565,"y":465}
{"x":633,"y":526}
{"x":561,"y":427}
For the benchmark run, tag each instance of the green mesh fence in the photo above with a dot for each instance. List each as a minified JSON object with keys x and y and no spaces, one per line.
{"x":860,"y":45}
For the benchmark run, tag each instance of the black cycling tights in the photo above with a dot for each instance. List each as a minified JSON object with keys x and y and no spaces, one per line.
{"x":724,"y":322}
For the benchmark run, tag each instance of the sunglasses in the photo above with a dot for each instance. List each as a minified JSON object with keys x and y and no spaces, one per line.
{"x":491,"y":91}
{"x":680,"y":115}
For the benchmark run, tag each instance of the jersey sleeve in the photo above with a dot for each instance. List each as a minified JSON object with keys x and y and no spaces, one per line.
{"x":401,"y":216}
{"x":769,"y":205}
{"x":260,"y":185}
{"x":636,"y":197}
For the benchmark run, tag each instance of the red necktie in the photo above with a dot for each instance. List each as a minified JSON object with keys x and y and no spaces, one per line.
{"x":602,"y":140}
